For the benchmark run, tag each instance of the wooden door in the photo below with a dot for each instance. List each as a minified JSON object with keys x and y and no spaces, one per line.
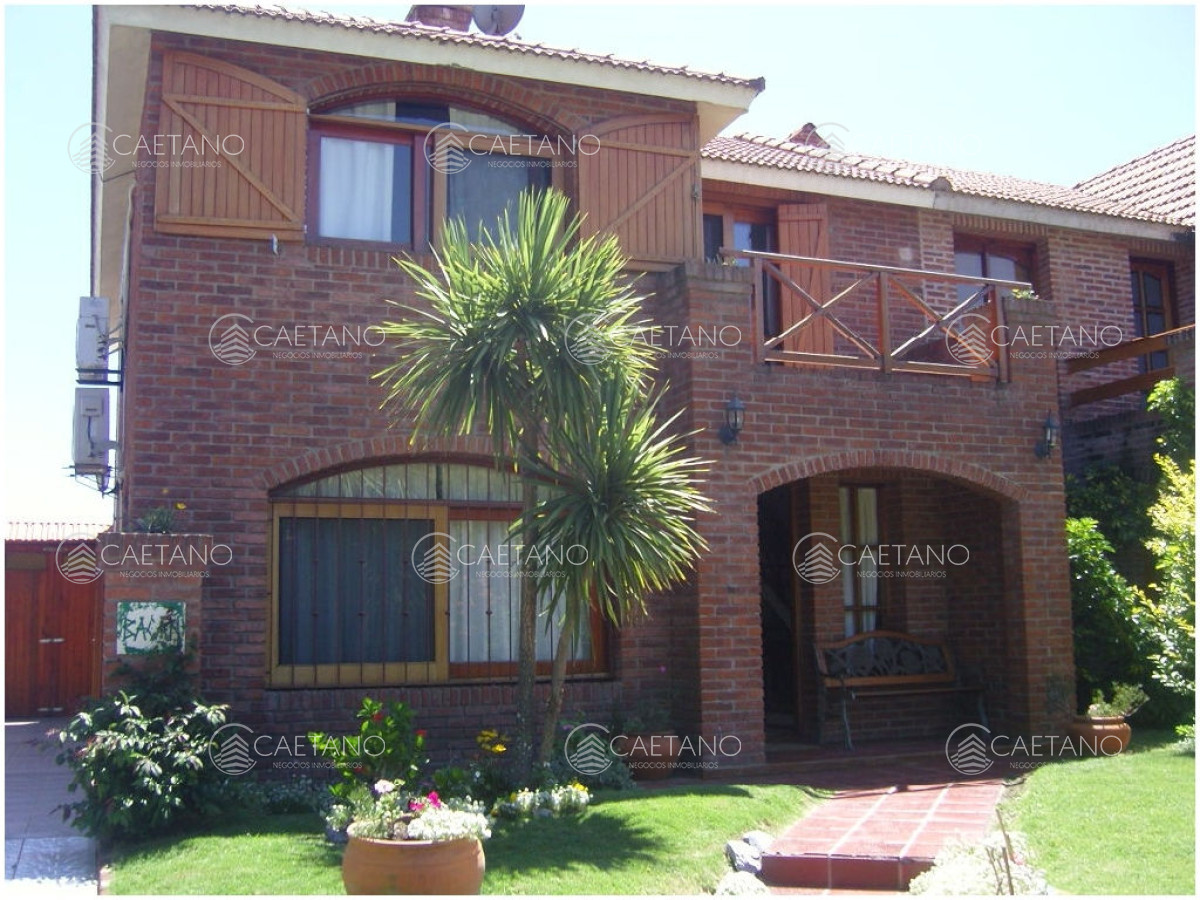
{"x":52,"y":635}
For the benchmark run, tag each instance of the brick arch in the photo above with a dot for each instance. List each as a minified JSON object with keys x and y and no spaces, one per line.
{"x":372,"y":451}
{"x":500,"y":96}
{"x":954,"y":469}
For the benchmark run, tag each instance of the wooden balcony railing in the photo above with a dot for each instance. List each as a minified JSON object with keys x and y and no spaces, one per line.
{"x":826,"y":312}
{"x":1174,"y":341}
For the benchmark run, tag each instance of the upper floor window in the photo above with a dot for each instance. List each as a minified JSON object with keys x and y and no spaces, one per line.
{"x":1153,"y":308}
{"x":984,"y":258}
{"x":746,"y":229}
{"x":382,"y":175}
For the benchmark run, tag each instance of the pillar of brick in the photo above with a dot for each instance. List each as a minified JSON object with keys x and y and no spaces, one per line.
{"x":153,"y":592}
{"x":1038,"y":587}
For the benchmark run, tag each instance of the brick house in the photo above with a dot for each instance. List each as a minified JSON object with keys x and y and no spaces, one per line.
{"x":246,"y":252}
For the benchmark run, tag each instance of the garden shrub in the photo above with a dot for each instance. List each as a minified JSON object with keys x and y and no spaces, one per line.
{"x":385,"y":747}
{"x":1133,"y":567}
{"x":1108,"y":645}
{"x":1175,"y":403}
{"x":1166,"y":610}
{"x":139,"y":773}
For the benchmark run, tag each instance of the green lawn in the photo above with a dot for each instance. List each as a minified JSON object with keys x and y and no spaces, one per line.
{"x":1120,"y":825}
{"x":259,"y":855}
{"x":667,"y":841}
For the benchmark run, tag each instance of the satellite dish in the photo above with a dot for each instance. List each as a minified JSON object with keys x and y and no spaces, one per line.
{"x":497,"y":19}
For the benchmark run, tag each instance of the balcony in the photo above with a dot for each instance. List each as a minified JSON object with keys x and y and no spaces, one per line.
{"x":824,"y":312}
{"x":1178,"y":345}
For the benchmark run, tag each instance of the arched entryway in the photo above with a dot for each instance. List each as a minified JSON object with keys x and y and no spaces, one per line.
{"x":845,"y":549}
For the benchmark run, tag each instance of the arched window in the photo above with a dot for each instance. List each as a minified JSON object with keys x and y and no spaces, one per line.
{"x":391,"y":171}
{"x":405,"y":573}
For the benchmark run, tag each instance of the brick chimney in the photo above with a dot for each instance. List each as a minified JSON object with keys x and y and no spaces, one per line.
{"x":456,"y":18}
{"x":809,"y":137}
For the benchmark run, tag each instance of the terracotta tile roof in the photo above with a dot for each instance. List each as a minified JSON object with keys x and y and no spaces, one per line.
{"x":780,"y":154}
{"x":1163,"y":182}
{"x":500,"y":43}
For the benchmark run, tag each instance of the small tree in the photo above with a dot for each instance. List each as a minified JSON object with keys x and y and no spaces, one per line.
{"x":490,"y":355}
{"x":622,"y":489}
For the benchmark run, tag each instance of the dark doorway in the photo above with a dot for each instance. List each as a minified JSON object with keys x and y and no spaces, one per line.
{"x":777,"y":595}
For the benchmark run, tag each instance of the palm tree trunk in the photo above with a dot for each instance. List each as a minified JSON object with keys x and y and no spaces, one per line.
{"x":527,"y":629}
{"x":558,"y":677}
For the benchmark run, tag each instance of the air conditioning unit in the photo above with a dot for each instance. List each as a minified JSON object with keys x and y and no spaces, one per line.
{"x":90,"y":432}
{"x":91,"y":340}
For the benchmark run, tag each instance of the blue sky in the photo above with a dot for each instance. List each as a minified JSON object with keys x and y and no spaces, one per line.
{"x":1049,"y":93}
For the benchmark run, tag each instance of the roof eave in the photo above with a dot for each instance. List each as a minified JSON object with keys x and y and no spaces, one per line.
{"x":926,"y":198}
{"x":719,"y":102}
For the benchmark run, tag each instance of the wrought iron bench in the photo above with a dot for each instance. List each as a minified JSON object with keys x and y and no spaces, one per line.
{"x":886,"y":664}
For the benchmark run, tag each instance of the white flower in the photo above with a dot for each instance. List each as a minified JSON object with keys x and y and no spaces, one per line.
{"x":444,"y":824}
{"x":383,"y":786}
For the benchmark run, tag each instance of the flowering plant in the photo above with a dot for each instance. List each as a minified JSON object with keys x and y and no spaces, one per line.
{"x":385,"y":747}
{"x":387,"y":813}
{"x":563,"y":798}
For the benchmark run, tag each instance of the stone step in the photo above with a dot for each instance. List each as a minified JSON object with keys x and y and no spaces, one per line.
{"x":841,"y":871}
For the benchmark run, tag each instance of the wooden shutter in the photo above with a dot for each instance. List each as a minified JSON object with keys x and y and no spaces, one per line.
{"x":642,"y":184}
{"x":244,"y":137}
{"x":804,"y":231}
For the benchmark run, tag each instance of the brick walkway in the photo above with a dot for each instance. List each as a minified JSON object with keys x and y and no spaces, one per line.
{"x":890,"y":814}
{"x":43,"y":855}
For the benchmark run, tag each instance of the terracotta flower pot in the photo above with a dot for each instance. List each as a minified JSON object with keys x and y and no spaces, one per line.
{"x":376,"y":866}
{"x":650,"y":756}
{"x":1099,"y":735}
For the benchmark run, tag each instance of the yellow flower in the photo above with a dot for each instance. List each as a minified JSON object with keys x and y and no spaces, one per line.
{"x":498,"y":748}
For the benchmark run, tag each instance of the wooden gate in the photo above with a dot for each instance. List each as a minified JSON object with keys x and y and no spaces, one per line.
{"x":52,"y":634}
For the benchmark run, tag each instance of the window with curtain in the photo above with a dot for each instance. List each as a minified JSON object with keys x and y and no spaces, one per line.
{"x":859,"y":555}
{"x":366,"y":190}
{"x":372,"y":181}
{"x":354,"y":603}
{"x":986,"y":258}
{"x":482,"y":192}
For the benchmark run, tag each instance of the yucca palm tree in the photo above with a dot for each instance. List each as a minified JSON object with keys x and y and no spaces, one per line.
{"x":492,"y":353}
{"x":623,"y":489}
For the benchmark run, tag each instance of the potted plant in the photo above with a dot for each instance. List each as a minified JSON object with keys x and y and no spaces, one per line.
{"x":1102,"y":730}
{"x":402,"y":843}
{"x":647,"y":743}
